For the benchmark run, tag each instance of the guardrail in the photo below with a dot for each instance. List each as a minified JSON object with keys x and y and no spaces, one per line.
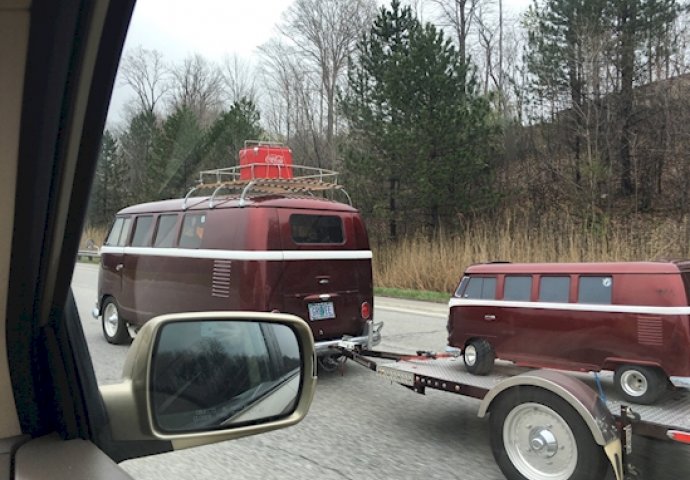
{"x":88,"y":254}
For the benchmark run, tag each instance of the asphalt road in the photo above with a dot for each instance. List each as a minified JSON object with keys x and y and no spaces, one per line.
{"x":359,"y":426}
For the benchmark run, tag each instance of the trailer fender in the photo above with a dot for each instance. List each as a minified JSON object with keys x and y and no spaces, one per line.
{"x":581,"y":397}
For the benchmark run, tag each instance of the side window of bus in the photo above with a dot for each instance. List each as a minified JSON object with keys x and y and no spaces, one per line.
{"x":142,"y":225}
{"x":554,"y":289}
{"x":595,"y":290}
{"x":517,"y":288}
{"x":165,"y":231}
{"x":483,"y":288}
{"x":316,"y":228}
{"x":119,"y":233}
{"x":124,"y":235}
{"x":461,"y":287}
{"x":192,"y":230}
{"x":115,"y":232}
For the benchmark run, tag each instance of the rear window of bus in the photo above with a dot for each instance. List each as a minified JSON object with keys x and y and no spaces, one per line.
{"x":316,"y":228}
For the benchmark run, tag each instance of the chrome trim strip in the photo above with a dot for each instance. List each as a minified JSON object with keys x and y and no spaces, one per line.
{"x":584,"y":307}
{"x":251,"y":255}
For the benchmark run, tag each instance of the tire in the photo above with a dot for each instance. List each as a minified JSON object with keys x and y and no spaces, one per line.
{"x":638,"y":384}
{"x":329,"y":363}
{"x":114,"y":327}
{"x":536,"y":435}
{"x":479,"y":357}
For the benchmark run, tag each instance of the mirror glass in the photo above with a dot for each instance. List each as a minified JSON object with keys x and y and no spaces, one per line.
{"x":223,"y":373}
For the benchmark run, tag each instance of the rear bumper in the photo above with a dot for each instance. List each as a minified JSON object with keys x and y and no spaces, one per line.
{"x":371,"y":338}
{"x":682,"y":382}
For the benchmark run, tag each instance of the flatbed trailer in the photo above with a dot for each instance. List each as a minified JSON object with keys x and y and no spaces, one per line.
{"x":544,"y":424}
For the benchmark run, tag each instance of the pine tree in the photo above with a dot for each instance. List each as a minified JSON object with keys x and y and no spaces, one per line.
{"x":592,"y":54}
{"x":227,"y":135}
{"x":109,"y":191}
{"x":179,"y":137}
{"x":145,"y":169}
{"x":419,"y":123}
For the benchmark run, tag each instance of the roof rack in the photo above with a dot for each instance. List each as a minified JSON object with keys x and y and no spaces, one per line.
{"x":262,"y":143}
{"x":302,"y":179}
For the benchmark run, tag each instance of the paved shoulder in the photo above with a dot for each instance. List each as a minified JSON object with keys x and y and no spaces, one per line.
{"x":431,"y":309}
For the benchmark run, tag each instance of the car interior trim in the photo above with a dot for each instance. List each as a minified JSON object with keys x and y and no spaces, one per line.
{"x":14,"y":40}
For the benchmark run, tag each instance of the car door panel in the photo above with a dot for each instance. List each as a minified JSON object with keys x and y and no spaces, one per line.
{"x":64,"y":460}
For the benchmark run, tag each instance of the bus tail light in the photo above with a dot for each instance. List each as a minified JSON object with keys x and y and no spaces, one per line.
{"x":365,"y":310}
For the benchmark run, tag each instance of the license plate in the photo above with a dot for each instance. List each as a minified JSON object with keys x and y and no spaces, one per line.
{"x":321,"y":311}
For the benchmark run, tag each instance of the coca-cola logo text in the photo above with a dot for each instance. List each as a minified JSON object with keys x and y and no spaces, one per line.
{"x":273,"y":159}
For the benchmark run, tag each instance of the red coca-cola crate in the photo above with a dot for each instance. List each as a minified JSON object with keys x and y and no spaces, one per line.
{"x":265,"y":161}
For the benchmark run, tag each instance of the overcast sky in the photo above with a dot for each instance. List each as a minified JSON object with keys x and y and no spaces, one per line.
{"x":213,"y":28}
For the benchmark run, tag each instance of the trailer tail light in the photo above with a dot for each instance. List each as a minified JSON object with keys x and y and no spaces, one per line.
{"x":679,"y":436}
{"x":365,"y":310}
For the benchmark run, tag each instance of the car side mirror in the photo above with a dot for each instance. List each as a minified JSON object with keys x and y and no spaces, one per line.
{"x":199,"y":378}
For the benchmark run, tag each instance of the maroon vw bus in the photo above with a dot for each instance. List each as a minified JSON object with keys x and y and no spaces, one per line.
{"x":303,"y":255}
{"x":631,"y":318}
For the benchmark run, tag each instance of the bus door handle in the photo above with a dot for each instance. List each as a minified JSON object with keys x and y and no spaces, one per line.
{"x":489,"y":318}
{"x":119,"y":267}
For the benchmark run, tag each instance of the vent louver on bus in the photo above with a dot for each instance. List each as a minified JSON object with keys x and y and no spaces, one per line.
{"x":650,"y":331}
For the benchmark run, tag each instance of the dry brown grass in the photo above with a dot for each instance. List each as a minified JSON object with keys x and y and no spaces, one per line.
{"x":437,"y":264}
{"x":97,"y":235}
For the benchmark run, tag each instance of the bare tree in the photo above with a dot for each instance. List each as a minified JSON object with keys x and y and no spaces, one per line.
{"x":323,"y":33}
{"x":292,"y":92}
{"x":459,"y":15}
{"x":147,"y":74}
{"x":279,"y":83}
{"x":197,"y":84}
{"x":239,"y":78}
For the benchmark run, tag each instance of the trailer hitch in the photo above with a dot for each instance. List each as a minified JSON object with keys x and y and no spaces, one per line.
{"x":427,"y":354}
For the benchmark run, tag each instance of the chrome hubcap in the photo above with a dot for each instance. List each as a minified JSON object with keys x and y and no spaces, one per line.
{"x":539,"y":443}
{"x":634,"y":383}
{"x":110,"y":320}
{"x":470,"y":355}
{"x":543,"y":443}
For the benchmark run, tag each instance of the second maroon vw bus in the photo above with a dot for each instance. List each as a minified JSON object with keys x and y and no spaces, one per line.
{"x":632,"y":318}
{"x":297,"y":254}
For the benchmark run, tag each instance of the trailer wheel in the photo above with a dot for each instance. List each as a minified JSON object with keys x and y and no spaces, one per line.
{"x":114,"y":327}
{"x":479,"y":357}
{"x":638,"y":384}
{"x":536,"y":435}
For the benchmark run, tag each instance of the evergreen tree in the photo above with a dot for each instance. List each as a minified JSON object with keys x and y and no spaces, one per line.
{"x":144,"y":167}
{"x":227,"y":135}
{"x":180,"y":136}
{"x":418,"y":123}
{"x":109,"y":191}
{"x":565,"y":37}
{"x":585,"y":55}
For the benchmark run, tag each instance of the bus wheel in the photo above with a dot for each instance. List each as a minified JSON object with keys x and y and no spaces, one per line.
{"x":638,"y":384}
{"x":114,"y":327}
{"x":329,"y":363}
{"x":479,"y":357}
{"x":536,"y":435}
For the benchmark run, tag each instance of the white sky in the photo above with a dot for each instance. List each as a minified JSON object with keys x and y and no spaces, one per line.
{"x":213,"y":28}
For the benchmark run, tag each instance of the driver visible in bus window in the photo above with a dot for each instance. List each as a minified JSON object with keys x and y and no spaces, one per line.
{"x":192,"y":231}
